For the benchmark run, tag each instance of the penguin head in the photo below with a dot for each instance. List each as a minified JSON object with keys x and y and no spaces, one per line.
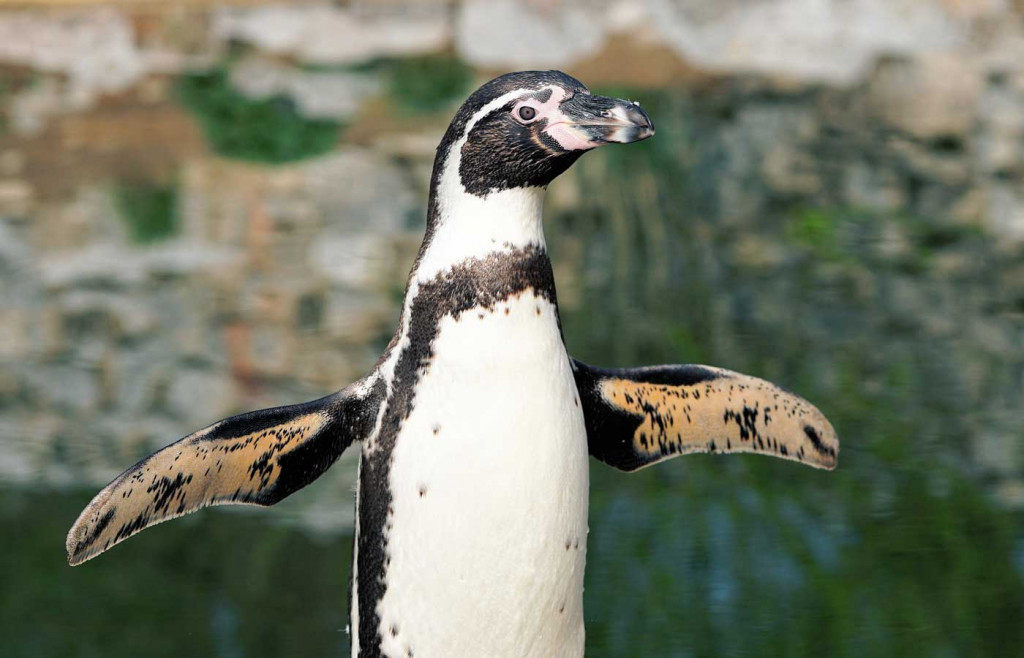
{"x":524,"y":129}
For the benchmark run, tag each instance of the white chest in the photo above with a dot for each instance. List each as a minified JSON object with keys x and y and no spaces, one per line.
{"x":489,"y":485}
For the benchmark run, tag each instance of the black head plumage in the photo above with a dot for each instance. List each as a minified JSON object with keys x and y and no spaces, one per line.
{"x":546,"y":121}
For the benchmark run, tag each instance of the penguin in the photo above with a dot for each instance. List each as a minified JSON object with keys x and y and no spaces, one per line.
{"x":475,"y":425}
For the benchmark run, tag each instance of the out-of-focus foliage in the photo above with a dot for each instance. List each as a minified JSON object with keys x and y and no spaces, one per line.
{"x":149,"y":210}
{"x":267,"y":130}
{"x":422,"y":85}
{"x":815,"y":230}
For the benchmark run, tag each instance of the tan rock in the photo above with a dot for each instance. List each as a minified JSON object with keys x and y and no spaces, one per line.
{"x":927,"y":97}
{"x":1006,"y":213}
{"x":316,"y":94}
{"x":513,"y":35}
{"x":823,"y":41}
{"x":16,"y":197}
{"x":1011,"y":494}
{"x":14,"y":333}
{"x":323,"y":33}
{"x":790,"y":170}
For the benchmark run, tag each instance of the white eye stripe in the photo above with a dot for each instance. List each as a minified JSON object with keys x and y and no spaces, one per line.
{"x":520,"y":98}
{"x":492,"y":106}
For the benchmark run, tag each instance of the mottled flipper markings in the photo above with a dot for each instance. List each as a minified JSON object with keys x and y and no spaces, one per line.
{"x":257,"y":458}
{"x":639,"y":416}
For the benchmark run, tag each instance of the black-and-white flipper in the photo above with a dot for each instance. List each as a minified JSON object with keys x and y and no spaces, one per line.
{"x":257,"y":458}
{"x":638,"y":416}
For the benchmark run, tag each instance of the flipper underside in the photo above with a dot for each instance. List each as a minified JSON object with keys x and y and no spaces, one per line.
{"x":257,"y":458}
{"x":639,"y":416}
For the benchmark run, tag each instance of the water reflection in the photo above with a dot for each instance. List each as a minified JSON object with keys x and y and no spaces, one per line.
{"x":218,"y":584}
{"x":156,"y":284}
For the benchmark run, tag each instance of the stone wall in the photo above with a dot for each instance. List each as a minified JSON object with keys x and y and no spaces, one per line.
{"x":274,"y":284}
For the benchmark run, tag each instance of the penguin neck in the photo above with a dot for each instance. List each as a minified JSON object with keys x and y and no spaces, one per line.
{"x":487,"y":241}
{"x":462,"y":226}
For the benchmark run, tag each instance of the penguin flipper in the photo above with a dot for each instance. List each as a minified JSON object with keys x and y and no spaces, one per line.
{"x":638,"y":416}
{"x":257,"y":458}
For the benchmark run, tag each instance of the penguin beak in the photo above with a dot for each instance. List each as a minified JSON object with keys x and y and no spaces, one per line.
{"x":589,"y":121}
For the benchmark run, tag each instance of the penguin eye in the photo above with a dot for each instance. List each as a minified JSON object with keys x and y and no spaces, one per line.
{"x":527,"y":113}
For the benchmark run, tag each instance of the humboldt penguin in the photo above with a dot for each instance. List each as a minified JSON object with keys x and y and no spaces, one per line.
{"x":475,"y":425}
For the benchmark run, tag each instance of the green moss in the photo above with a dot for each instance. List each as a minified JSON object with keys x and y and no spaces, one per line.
{"x":150,"y":211}
{"x":816,"y":230}
{"x":417,"y":85}
{"x":423,"y":85}
{"x":267,"y":130}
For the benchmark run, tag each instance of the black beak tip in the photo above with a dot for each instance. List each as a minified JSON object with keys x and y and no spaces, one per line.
{"x":639,"y":124}
{"x":640,"y":119}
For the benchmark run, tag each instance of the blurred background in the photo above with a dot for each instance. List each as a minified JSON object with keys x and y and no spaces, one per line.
{"x":207,"y":208}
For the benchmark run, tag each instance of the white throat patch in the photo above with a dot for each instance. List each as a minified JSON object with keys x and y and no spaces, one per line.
{"x":471,"y":226}
{"x":468,"y":226}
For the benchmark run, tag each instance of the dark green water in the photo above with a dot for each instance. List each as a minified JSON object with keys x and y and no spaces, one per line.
{"x":714,"y":557}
